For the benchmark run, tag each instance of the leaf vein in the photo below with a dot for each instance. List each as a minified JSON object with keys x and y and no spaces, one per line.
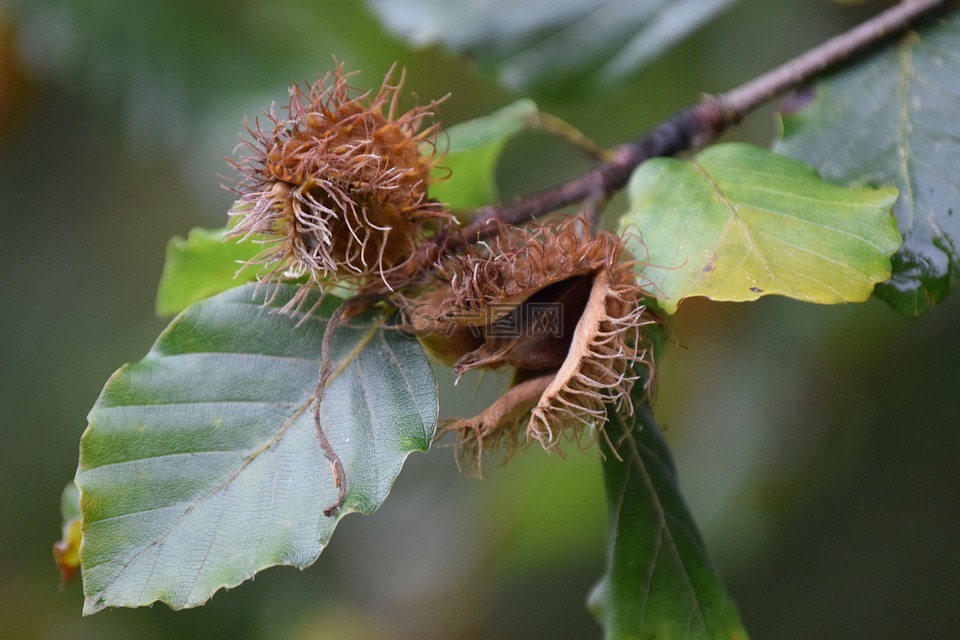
{"x":406,"y":381}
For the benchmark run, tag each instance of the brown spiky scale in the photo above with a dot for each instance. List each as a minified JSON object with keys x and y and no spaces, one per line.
{"x":337,"y":187}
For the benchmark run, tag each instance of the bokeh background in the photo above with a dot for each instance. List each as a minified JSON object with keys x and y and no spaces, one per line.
{"x":818,"y":446}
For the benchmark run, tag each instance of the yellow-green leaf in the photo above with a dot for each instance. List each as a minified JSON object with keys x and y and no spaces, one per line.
{"x":203,"y":264}
{"x":738,"y":222}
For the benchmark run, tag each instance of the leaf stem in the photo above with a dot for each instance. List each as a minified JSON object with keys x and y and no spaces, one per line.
{"x":553,"y":125}
{"x":345,"y":311}
{"x":695,"y":126}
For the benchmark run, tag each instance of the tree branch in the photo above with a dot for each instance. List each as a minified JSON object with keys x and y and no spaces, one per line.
{"x":695,"y":126}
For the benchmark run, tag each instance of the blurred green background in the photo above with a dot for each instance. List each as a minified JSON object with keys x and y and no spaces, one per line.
{"x":818,"y":446}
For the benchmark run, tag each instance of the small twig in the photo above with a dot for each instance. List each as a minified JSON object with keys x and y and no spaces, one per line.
{"x":353,"y":306}
{"x":747,"y":97}
{"x":688,"y":129}
{"x":696,"y":126}
{"x":685,"y":130}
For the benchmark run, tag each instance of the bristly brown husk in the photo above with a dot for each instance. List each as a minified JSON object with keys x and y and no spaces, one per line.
{"x":601,"y":359}
{"x":523,"y":261}
{"x":338,"y":187}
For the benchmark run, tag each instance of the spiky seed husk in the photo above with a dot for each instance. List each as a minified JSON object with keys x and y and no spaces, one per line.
{"x":602,"y":358}
{"x":523,"y":261}
{"x":337,"y":187}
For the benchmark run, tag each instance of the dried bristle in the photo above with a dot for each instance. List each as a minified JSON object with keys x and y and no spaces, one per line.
{"x":498,"y":427}
{"x":523,"y":261}
{"x":338,"y":187}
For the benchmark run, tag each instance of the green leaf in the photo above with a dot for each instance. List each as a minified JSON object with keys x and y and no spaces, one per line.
{"x":738,"y":222}
{"x":550,"y":45}
{"x":474,"y":149}
{"x":659,"y":582}
{"x":895,"y":119}
{"x":201,"y":464}
{"x":202,"y":265}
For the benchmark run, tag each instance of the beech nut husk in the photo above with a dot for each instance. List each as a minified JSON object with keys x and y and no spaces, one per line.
{"x":564,"y":309}
{"x":336,"y":189}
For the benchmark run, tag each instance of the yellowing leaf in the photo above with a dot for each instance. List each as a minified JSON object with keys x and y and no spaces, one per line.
{"x":738,"y":222}
{"x":66,"y":551}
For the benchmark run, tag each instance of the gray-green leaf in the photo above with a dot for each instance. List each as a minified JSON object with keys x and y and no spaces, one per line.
{"x":201,"y":464}
{"x":549,"y":44}
{"x":895,"y":119}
